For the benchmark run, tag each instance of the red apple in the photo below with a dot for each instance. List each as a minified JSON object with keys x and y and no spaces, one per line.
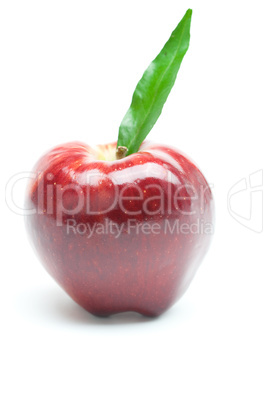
{"x":120,"y":235}
{"x":124,"y":226}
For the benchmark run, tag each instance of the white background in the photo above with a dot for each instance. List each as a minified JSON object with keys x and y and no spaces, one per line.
{"x":68,"y":70}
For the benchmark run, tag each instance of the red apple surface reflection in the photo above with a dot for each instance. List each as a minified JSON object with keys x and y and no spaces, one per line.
{"x":120,"y":235}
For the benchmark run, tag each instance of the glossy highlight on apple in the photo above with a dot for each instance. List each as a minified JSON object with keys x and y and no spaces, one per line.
{"x":102,"y":193}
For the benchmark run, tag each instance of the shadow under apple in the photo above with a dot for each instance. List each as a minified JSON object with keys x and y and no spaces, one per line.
{"x":52,"y":305}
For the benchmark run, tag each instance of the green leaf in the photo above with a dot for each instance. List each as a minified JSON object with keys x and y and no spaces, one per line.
{"x":154,"y":87}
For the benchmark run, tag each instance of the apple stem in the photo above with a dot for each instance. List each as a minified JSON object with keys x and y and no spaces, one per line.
{"x":121,"y":152}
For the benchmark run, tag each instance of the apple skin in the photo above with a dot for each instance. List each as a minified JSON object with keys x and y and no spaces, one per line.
{"x":148,"y":266}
